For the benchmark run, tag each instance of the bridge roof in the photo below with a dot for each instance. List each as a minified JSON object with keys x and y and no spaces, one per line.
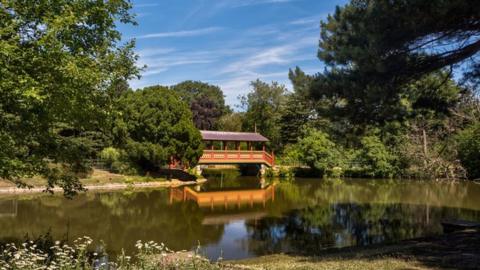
{"x":208,"y":135}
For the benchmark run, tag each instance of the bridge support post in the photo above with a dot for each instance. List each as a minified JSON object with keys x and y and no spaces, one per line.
{"x":263,"y":169}
{"x":198,"y":170}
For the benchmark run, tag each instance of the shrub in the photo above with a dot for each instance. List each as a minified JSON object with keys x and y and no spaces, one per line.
{"x":153,"y":125}
{"x":376,"y":158}
{"x":335,"y":172}
{"x":269,"y":173}
{"x":110,"y":155}
{"x":469,"y":150}
{"x":285,"y":172}
{"x":291,"y":156}
{"x":318,"y":151}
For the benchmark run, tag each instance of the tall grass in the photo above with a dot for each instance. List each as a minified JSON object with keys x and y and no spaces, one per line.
{"x":149,"y":255}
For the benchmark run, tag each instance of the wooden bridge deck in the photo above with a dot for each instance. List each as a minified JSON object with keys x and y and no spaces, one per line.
{"x":236,"y":157}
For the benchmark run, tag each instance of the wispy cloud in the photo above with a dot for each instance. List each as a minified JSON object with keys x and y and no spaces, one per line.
{"x":158,"y":60}
{"x":282,"y":54}
{"x":183,"y":33}
{"x":307,"y":20}
{"x":146,"y":5}
{"x":148,"y":52}
{"x":242,"y":3}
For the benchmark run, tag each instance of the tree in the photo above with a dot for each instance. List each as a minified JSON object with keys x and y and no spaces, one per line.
{"x":59,"y":62}
{"x":299,"y":109}
{"x":155,"y":125}
{"x":263,"y":107}
{"x":373,"y":48}
{"x":231,"y":122}
{"x":206,"y":114}
{"x":318,"y":151}
{"x":469,"y":150}
{"x":376,"y":158}
{"x":206,"y":102}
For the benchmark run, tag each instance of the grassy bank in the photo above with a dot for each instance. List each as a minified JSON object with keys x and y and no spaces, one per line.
{"x":99,"y":179}
{"x":460,"y":250}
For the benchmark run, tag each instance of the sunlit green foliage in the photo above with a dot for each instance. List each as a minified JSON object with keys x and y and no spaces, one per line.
{"x":231,"y":122}
{"x":318,"y":151}
{"x":153,"y":126}
{"x":59,"y":63}
{"x":263,"y":107}
{"x":375,"y":158}
{"x":469,"y":150}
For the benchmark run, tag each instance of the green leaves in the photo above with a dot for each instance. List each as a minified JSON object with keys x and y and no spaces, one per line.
{"x":263,"y":109}
{"x":469,"y":150}
{"x":206,"y":102}
{"x":58,"y":59}
{"x":373,"y":49}
{"x":154,"y":125}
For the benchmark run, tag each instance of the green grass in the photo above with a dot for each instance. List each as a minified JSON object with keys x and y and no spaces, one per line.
{"x":98,"y":177}
{"x":281,"y":262}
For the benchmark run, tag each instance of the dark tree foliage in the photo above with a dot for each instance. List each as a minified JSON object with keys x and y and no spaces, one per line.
{"x":205,"y":113}
{"x":154,"y":125}
{"x":59,"y":61}
{"x":373,"y":48}
{"x":299,"y":109}
{"x":206,"y":102}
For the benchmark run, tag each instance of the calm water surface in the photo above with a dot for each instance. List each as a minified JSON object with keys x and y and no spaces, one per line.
{"x":301,"y":216}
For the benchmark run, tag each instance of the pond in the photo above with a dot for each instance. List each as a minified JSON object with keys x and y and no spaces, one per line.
{"x":239,"y":217}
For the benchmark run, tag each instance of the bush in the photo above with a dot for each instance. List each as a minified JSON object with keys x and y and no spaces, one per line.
{"x":269,"y":173}
{"x":291,"y":156}
{"x":376,"y":158}
{"x":285,"y":172}
{"x":318,"y":151}
{"x":335,"y":172}
{"x":153,"y":125}
{"x":110,"y":155}
{"x":469,"y":150}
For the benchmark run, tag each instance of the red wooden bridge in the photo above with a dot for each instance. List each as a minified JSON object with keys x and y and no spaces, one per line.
{"x":235,"y":148}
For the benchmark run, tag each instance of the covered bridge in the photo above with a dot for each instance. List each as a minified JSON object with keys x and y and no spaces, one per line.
{"x":222,"y":147}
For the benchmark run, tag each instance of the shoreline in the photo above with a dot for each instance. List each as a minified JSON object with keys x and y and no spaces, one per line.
{"x":111,"y":186}
{"x":456,"y":250}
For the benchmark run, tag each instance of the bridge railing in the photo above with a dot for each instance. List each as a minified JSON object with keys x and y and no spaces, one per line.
{"x":236,"y":156}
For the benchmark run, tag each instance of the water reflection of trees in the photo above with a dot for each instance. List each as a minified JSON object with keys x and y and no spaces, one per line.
{"x":306,"y":215}
{"x":440,"y":194}
{"x":310,"y":229}
{"x":117,"y":219}
{"x":311,"y":215}
{"x":228,"y":180}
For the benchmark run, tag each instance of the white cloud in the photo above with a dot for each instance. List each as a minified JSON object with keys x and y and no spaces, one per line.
{"x":282,"y":54}
{"x":242,"y":3}
{"x":153,"y":51}
{"x":183,"y":33}
{"x":307,"y":20}
{"x":145,"y":5}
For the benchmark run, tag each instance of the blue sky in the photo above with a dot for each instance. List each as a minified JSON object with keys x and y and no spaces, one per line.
{"x":226,"y":42}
